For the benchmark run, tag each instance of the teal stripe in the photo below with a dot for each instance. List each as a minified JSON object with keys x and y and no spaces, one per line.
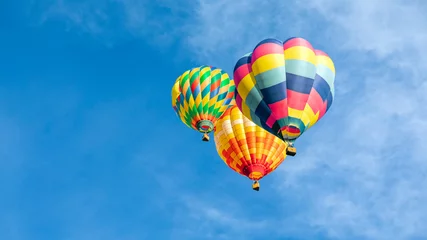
{"x":253,"y":99}
{"x":326,"y":74}
{"x":297,"y":123}
{"x":271,"y":77}
{"x":222,"y":96}
{"x":254,"y":118}
{"x":206,"y":91}
{"x":188,"y":95}
{"x":301,"y":68}
{"x":283,"y":122}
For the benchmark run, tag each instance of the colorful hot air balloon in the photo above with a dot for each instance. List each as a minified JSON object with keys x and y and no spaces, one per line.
{"x":285,"y":87}
{"x":247,"y":148}
{"x":200,"y":96}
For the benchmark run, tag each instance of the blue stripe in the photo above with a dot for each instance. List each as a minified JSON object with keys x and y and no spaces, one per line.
{"x":188,"y":94}
{"x":289,"y":39}
{"x":263,"y":111}
{"x":275,"y":130}
{"x":330,"y":100}
{"x":274,"y":93}
{"x":213,"y":92}
{"x":196,"y":91}
{"x":254,"y":118}
{"x":270,"y":40}
{"x":227,"y":101}
{"x":242,"y":61}
{"x":322,"y":87}
{"x":222,"y":96}
{"x":299,"y":83}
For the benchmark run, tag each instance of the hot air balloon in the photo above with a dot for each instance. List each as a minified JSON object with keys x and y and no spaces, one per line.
{"x":247,"y":148}
{"x":200,"y":96}
{"x":285,"y":87}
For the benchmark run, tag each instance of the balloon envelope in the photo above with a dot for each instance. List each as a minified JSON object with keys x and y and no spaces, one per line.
{"x":284,"y":87}
{"x":201,"y":95}
{"x":245,"y":147}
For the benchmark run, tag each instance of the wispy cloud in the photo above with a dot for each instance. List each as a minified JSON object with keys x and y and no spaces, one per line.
{"x":360,"y":172}
{"x":111,"y":21}
{"x":363,"y":164}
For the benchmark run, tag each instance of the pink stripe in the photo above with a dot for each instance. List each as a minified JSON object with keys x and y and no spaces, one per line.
{"x":315,"y":101}
{"x":294,"y":42}
{"x":320,"y":53}
{"x":240,"y":73}
{"x":279,"y":109}
{"x":323,"y":109}
{"x":265,"y":49}
{"x":238,"y":100}
{"x":296,"y":100}
{"x":271,"y":120}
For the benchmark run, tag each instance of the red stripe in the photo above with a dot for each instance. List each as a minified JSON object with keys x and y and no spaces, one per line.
{"x":214,"y":85}
{"x":296,"y":100}
{"x":279,"y":109}
{"x":230,"y":95}
{"x":265,"y":49}
{"x":294,"y":42}
{"x":315,"y":101}
{"x":290,"y":129}
{"x":323,"y":109}
{"x":195,"y":84}
{"x":240,"y":73}
{"x":271,"y":120}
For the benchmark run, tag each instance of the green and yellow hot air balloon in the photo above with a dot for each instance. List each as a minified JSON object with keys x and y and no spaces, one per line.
{"x":200,"y":96}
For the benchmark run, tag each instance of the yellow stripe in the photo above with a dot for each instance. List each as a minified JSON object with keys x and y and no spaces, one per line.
{"x":246,"y":110}
{"x":204,"y":70}
{"x":298,"y":114}
{"x":311,"y":115}
{"x":267,"y":62}
{"x":327,"y":61}
{"x":175,"y":91}
{"x":233,"y":126}
{"x":300,"y":53}
{"x":245,"y":86}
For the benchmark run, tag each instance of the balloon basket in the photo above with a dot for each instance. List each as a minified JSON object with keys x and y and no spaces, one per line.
{"x":291,"y":151}
{"x":205,"y":137}
{"x":255,"y":186}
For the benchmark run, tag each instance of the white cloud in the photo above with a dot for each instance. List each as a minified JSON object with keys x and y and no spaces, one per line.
{"x":364,"y":164}
{"x":111,"y":21}
{"x":215,"y":218}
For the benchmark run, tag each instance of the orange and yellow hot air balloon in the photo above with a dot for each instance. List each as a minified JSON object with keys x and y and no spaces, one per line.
{"x":247,"y":148}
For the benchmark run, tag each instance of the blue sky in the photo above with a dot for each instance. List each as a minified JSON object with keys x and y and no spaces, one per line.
{"x":90,"y":147}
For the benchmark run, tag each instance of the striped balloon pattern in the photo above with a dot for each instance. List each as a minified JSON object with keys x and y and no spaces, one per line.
{"x":201,"y":95}
{"x":245,"y":147}
{"x":285,"y":87}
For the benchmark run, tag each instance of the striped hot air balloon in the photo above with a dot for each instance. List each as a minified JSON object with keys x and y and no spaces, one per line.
{"x":247,"y":148}
{"x":200,"y":96}
{"x":285,"y":87}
